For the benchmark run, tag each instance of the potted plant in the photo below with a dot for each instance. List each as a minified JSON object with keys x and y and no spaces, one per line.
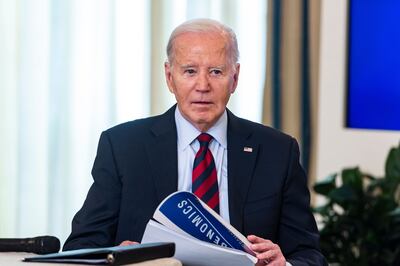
{"x":360,"y":221}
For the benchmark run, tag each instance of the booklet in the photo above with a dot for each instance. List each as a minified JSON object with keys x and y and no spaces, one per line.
{"x":118,"y":255}
{"x":201,"y":236}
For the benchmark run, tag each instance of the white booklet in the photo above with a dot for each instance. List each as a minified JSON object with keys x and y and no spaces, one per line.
{"x":201,"y":236}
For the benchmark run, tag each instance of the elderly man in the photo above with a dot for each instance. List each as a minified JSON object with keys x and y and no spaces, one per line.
{"x":252,"y":175}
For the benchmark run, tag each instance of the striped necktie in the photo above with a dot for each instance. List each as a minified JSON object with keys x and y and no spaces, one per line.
{"x":204,"y":177}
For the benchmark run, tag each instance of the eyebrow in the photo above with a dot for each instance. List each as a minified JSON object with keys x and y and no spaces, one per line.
{"x":218,"y":67}
{"x":187,"y":66}
{"x":212,"y":67}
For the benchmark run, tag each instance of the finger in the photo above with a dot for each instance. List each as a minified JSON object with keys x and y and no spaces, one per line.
{"x":128,"y":243}
{"x":267,"y":251}
{"x":277,"y":262}
{"x":264,"y":246}
{"x":268,"y":255}
{"x":273,"y":257}
{"x":274,"y":263}
{"x":262,"y":263}
{"x":255,"y":239}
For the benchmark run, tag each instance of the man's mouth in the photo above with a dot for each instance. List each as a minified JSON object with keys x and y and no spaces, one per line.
{"x":201,"y":102}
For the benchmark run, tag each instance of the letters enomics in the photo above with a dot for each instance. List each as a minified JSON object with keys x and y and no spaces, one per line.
{"x":200,"y":223}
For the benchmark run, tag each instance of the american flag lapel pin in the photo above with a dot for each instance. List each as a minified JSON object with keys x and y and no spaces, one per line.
{"x":248,"y":149}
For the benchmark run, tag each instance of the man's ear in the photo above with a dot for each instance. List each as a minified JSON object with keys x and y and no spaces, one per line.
{"x":235,"y":78}
{"x":168,"y":76}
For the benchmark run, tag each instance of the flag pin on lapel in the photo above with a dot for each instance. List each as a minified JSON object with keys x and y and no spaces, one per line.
{"x":248,"y":149}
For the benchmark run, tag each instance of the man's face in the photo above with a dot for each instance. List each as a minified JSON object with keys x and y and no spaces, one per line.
{"x":202,"y":77}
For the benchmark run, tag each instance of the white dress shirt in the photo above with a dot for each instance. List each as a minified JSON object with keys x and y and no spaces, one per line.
{"x":188,"y":145}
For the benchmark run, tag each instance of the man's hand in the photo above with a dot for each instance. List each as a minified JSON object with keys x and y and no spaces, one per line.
{"x":128,"y":243}
{"x":267,"y":252}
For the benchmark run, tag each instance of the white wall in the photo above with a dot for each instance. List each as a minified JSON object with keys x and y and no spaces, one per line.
{"x":338,"y":147}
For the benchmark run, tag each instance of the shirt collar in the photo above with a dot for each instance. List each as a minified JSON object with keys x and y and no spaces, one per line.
{"x":187,"y":132}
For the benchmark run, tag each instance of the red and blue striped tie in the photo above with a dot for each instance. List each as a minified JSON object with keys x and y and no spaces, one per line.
{"x":204,"y":177}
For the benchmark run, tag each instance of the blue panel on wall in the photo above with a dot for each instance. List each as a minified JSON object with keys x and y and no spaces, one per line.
{"x":374,"y":65}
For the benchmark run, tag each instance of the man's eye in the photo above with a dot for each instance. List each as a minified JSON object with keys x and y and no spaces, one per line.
{"x":216,"y":72}
{"x":190,"y":71}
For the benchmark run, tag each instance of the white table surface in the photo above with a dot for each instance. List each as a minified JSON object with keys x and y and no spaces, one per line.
{"x":15,"y":259}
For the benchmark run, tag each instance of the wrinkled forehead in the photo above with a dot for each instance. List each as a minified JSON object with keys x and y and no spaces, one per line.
{"x":205,"y":45}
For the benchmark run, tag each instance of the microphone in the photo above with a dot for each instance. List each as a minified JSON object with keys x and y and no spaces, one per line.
{"x":38,"y":245}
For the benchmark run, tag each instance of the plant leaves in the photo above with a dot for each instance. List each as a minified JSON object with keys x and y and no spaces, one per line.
{"x":343,"y":195}
{"x":353,"y":178}
{"x":360,"y":223}
{"x":324,"y":187}
{"x":392,"y":166}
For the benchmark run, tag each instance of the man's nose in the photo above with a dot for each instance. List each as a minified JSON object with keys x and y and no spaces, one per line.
{"x":203,"y":83}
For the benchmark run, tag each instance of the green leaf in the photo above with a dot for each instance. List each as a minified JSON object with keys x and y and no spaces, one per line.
{"x":324,"y":187}
{"x":392,"y":166}
{"x":376,"y":183}
{"x":353,"y":178}
{"x":343,"y":195}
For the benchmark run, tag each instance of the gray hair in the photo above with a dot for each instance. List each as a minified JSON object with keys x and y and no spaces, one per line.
{"x":205,"y":26}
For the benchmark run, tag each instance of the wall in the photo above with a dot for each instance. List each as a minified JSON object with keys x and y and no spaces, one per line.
{"x":338,"y":147}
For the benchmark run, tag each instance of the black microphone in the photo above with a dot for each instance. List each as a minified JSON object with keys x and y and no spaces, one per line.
{"x":38,"y":245}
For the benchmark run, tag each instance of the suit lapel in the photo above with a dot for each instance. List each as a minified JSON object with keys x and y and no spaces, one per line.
{"x":162,"y":154}
{"x":242,"y":155}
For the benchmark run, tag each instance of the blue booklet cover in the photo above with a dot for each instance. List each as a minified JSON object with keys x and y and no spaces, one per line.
{"x":184,"y":212}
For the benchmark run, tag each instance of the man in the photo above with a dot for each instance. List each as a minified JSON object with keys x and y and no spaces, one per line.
{"x":258,"y":186}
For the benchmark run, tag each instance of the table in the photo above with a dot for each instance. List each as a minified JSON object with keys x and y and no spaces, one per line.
{"x":15,"y":259}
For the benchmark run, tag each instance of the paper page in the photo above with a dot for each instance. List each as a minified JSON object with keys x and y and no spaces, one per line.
{"x":193,"y":252}
{"x":183,"y":212}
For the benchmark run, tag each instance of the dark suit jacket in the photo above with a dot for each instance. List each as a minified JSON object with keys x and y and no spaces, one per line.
{"x":136,"y":168}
